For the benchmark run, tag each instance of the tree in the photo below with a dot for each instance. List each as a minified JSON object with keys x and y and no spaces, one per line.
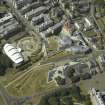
{"x":75,"y":79}
{"x":60,"y":81}
{"x":53,"y":101}
{"x":5,"y":63}
{"x":65,"y":92}
{"x":2,"y":70}
{"x":67,"y":100}
{"x":86,"y":76}
{"x":88,"y":100}
{"x":99,"y":1}
{"x":76,"y":93}
{"x":70,"y":71}
{"x":44,"y":101}
{"x":67,"y":5}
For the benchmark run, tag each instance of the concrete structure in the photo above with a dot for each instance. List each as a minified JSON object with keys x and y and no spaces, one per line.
{"x":51,"y":30}
{"x":6,"y":18}
{"x":12,"y":29}
{"x":66,"y":41}
{"x":35,"y":12}
{"x":12,"y":21}
{"x":45,"y":25}
{"x":18,"y":4}
{"x":84,"y":6}
{"x":57,"y":27}
{"x":8,"y":26}
{"x":56,"y":72}
{"x":79,"y":26}
{"x":9,"y":29}
{"x":29,"y":7}
{"x":13,"y":53}
{"x":2,"y":1}
{"x":37,"y":20}
{"x":25,"y":9}
{"x":78,"y":49}
{"x":88,"y":22}
{"x":46,"y":33}
{"x":101,"y":58}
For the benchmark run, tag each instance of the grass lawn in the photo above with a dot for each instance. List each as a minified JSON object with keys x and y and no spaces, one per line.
{"x":10,"y":75}
{"x":101,"y":23}
{"x":96,"y":82}
{"x":2,"y":8}
{"x":83,"y":89}
{"x":53,"y":44}
{"x":103,"y":19}
{"x":59,"y":55}
{"x":1,"y":101}
{"x":90,"y":33}
{"x":33,"y":82}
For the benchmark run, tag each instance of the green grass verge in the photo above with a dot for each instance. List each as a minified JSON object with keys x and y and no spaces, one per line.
{"x":1,"y":101}
{"x":53,"y":44}
{"x":33,"y":82}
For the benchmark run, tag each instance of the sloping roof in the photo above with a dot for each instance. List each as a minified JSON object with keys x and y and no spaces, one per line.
{"x":13,"y":53}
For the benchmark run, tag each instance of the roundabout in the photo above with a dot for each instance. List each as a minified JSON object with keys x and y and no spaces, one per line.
{"x":29,"y":46}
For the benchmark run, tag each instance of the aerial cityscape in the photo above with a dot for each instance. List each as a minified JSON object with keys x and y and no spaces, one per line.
{"x":52,"y":52}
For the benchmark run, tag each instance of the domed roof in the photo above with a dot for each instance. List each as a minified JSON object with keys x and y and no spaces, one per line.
{"x":13,"y":53}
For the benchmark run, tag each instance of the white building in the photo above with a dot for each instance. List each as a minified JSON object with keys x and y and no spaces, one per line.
{"x":89,"y":24}
{"x":13,"y":53}
{"x":77,"y":26}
